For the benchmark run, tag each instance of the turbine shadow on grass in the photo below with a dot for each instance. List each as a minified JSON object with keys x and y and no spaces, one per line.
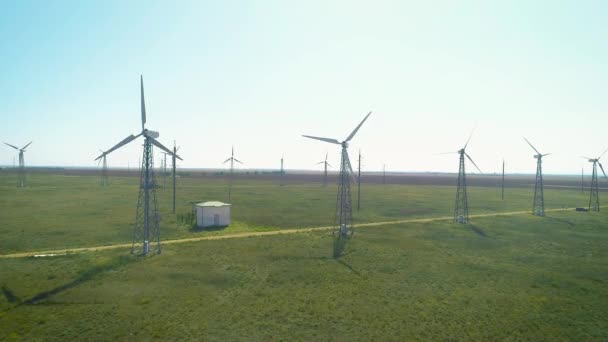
{"x":348,"y":266}
{"x":9,"y":295}
{"x":478,"y":230}
{"x":82,"y":278}
{"x":569,"y":223}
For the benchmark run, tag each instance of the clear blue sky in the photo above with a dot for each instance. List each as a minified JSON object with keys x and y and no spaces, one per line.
{"x":258,"y":74}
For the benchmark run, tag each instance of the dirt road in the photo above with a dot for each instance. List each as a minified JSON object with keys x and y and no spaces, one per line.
{"x":57,"y":252}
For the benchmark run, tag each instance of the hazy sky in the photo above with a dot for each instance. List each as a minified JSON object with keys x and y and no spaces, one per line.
{"x":258,"y":74}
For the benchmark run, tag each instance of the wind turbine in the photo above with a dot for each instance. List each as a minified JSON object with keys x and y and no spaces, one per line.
{"x":147,"y":219}
{"x":21,"y":180}
{"x":383,"y":173}
{"x":502,"y":195}
{"x":344,"y":210}
{"x":231,"y":160}
{"x":538,"y":206}
{"x":282,"y":170}
{"x":104,"y":169}
{"x":461,"y":207}
{"x":359,"y":182}
{"x":594,"y":197}
{"x":325,"y":165}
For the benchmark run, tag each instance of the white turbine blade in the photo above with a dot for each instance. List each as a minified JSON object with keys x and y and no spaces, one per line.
{"x":321,"y":162}
{"x":546,"y":154}
{"x":227,"y":160}
{"x":123,"y":142}
{"x":159,"y":145}
{"x":238,"y":161}
{"x":534,"y":148}
{"x":437,"y":154}
{"x":350,"y":167}
{"x":13,"y":146}
{"x":601,"y":167}
{"x":333,"y":141}
{"x":586,"y":157}
{"x":352,"y":135}
{"x":470,"y":136}
{"x":24,"y":147}
{"x":473,"y":162}
{"x":143,"y":103}
{"x":328,"y":164}
{"x":601,"y":155}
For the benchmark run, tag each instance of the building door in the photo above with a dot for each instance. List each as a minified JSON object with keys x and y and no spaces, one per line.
{"x":216,"y":220}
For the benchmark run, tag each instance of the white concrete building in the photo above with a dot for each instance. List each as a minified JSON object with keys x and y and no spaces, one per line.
{"x":212,"y":214}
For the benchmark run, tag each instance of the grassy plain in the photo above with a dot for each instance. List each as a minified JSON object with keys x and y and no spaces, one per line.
{"x":57,"y":211}
{"x":501,"y":278}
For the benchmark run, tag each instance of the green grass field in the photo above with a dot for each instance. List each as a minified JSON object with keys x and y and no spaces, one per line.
{"x":516,"y":277}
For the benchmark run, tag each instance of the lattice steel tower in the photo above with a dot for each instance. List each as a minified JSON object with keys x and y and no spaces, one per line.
{"x":594,"y":196}
{"x":231,"y":160}
{"x":325,"y":165}
{"x":344,"y":210}
{"x":538,"y":204}
{"x":21,"y":183}
{"x":282,"y":175}
{"x":103,"y":181}
{"x":359,"y":182}
{"x":461,"y":205}
{"x":146,"y":231}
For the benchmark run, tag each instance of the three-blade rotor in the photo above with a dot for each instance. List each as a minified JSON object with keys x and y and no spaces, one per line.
{"x":463,"y":152}
{"x":17,"y":148}
{"x":597,"y":160}
{"x":151,"y":135}
{"x":539,"y":155}
{"x":232,"y":158}
{"x":337,"y":142}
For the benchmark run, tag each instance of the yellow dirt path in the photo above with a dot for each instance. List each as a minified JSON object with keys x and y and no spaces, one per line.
{"x":252,"y":234}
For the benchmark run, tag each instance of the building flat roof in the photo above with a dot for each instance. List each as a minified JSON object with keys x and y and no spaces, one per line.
{"x":213,"y":204}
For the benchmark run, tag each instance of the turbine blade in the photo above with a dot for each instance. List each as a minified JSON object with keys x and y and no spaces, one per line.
{"x":546,"y":154}
{"x":24,"y":147}
{"x":350,"y":167}
{"x":601,"y":155}
{"x":333,"y":141}
{"x":143,"y":103}
{"x":352,"y":135}
{"x":470,"y":136}
{"x":122,"y":143}
{"x":227,"y":160}
{"x":238,"y":161}
{"x":586,"y":157}
{"x":445,"y":153}
{"x":473,"y":162}
{"x":13,"y":146}
{"x":321,"y":162}
{"x":328,"y":164}
{"x":159,"y":145}
{"x":601,"y":167}
{"x":534,"y":148}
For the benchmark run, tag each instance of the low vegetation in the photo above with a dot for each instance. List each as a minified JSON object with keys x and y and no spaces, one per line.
{"x":516,"y":277}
